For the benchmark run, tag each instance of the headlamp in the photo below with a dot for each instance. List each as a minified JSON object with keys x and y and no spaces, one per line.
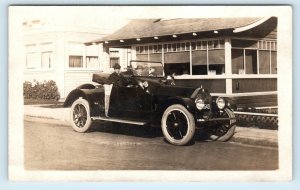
{"x":199,"y":104}
{"x":220,"y":102}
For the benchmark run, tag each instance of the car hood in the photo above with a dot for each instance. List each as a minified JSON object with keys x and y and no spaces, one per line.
{"x":173,"y":90}
{"x":157,"y":86}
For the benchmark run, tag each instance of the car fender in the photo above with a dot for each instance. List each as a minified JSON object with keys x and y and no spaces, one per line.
{"x":86,"y":86}
{"x":74,"y":95}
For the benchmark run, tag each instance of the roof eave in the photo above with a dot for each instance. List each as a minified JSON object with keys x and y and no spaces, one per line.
{"x":250,"y":26}
{"x":199,"y":33}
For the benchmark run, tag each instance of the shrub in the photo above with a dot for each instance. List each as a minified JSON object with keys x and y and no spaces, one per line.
{"x":46,"y":90}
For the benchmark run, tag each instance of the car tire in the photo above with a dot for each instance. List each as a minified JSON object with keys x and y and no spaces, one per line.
{"x":230,"y":132}
{"x":80,"y":115}
{"x":178,"y":125}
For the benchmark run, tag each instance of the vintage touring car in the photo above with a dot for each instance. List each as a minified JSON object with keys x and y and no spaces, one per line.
{"x":142,"y":95}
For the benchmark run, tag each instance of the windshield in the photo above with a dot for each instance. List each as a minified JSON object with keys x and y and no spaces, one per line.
{"x":147,"y":68}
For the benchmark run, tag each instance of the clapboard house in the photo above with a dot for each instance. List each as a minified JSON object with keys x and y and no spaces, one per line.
{"x":57,"y":52}
{"x":233,"y":57}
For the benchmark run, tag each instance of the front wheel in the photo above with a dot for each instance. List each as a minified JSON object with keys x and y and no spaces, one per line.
{"x":80,"y":115}
{"x":223,"y":130}
{"x":178,"y":125}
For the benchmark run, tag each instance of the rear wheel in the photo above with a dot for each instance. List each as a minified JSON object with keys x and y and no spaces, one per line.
{"x":80,"y":115}
{"x":223,"y":130}
{"x":178,"y":125}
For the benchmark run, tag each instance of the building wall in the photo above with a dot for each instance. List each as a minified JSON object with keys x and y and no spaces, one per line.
{"x":75,"y":78}
{"x":254,"y":85}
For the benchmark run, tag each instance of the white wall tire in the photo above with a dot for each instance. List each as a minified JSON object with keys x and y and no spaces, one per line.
{"x":80,"y":116}
{"x":222,"y":137}
{"x":178,"y":125}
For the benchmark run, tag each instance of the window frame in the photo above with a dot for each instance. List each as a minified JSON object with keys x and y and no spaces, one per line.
{"x":84,"y":54}
{"x":203,"y":45}
{"x":261,"y":45}
{"x":38,"y":50}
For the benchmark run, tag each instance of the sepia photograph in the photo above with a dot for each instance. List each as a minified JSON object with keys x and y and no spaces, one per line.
{"x":150,"y":93}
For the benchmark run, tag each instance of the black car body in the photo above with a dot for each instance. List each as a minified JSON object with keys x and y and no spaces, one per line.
{"x":149,"y":98}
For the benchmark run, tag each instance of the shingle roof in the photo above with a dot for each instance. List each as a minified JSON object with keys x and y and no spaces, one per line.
{"x":141,"y":28}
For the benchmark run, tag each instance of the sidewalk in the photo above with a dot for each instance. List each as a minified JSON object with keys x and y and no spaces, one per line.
{"x":251,"y":136}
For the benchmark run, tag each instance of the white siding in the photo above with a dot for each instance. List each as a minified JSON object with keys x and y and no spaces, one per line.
{"x":75,"y":78}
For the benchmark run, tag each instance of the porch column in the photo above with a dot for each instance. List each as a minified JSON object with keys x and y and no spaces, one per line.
{"x":228,"y":65}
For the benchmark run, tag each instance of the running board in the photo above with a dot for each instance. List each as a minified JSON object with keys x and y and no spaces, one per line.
{"x":119,"y":120}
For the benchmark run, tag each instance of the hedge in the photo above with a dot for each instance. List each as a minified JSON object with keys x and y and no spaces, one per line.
{"x":41,"y":90}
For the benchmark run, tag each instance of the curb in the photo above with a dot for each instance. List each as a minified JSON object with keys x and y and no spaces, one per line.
{"x":46,"y":120}
{"x":251,"y":141}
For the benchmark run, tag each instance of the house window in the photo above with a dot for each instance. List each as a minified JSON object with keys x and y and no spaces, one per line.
{"x":174,"y":47}
{"x":208,"y":57}
{"x":47,"y":59}
{"x":32,"y":56}
{"x":251,"y":61}
{"x":155,"y":49}
{"x":237,"y":56}
{"x":142,"y":50}
{"x":113,"y":61}
{"x":187,"y":46}
{"x":264,"y":61}
{"x":76,"y":55}
{"x":254,"y":57}
{"x":91,"y":61}
{"x":193,"y":44}
{"x":274,"y":62}
{"x":39,"y":56}
{"x":32,"y":60}
{"x":159,"y":49}
{"x":149,"y":53}
{"x":199,"y":60}
{"x":81,"y":56}
{"x":46,"y":55}
{"x":75,"y":61}
{"x":244,"y":61}
{"x":216,"y":61}
{"x":178,"y":47}
{"x":177,"y":63}
{"x":114,"y":57}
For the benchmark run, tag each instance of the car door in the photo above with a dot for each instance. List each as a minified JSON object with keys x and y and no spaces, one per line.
{"x":133,"y":101}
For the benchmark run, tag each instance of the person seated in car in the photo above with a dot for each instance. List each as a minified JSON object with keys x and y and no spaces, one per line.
{"x":116,"y":77}
{"x":139,"y":70}
{"x":152,"y":72}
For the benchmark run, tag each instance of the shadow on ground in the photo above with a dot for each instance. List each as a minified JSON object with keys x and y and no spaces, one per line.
{"x":138,"y":131}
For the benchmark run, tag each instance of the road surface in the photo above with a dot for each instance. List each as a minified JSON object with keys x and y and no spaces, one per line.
{"x":126,"y":147}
